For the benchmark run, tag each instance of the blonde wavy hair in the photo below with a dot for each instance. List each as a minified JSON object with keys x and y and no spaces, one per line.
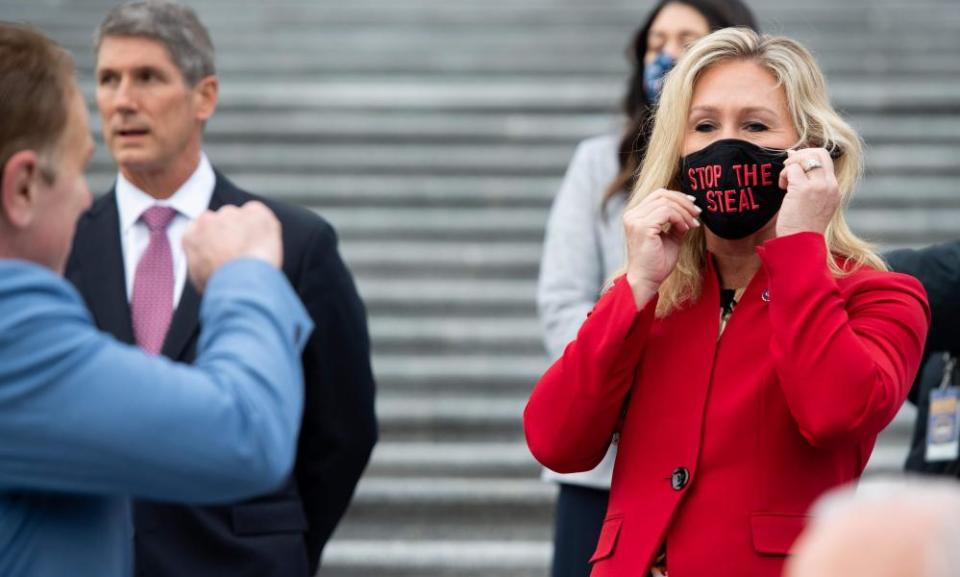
{"x":817,"y":123}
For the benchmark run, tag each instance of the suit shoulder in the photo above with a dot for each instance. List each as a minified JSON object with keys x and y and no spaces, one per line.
{"x":297,"y":222}
{"x":102,"y":201}
{"x":867,"y":279}
{"x":301,"y":218}
{"x":99,"y":204}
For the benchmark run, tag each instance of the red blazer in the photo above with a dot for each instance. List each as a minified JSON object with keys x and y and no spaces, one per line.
{"x":724,"y":444}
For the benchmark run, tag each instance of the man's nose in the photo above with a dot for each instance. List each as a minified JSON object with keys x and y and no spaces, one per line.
{"x":124,"y":98}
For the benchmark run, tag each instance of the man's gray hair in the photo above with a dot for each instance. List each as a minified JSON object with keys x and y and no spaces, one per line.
{"x":176,"y":27}
{"x":906,"y":498}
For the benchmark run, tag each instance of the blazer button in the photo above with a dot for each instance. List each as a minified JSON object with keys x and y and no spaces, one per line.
{"x":679,"y":478}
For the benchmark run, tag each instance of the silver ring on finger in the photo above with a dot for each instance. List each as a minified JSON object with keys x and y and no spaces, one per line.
{"x":811,"y":164}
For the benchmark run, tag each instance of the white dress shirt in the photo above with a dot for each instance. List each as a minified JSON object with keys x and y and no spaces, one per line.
{"x":190,"y":200}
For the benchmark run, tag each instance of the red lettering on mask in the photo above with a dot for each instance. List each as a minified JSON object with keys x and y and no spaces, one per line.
{"x":766,"y":175}
{"x":747,"y":202}
{"x":747,"y":174}
{"x":732,"y":200}
{"x":707,"y":176}
{"x":728,"y":200}
{"x":712,"y":201}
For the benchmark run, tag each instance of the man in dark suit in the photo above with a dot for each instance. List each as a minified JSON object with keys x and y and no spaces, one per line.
{"x":156,"y":88}
{"x":938,"y":268}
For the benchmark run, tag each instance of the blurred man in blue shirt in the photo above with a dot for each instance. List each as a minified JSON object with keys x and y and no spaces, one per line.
{"x":87,"y":422}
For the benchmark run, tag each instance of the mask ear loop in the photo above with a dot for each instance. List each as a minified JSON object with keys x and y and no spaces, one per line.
{"x":835,"y":151}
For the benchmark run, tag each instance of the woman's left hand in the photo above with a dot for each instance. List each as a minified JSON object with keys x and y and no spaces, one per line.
{"x":813,"y":195}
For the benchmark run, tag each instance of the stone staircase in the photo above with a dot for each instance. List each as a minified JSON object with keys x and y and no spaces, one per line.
{"x":434,"y":134}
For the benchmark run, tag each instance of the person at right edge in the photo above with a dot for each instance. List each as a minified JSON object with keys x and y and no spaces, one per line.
{"x":754,"y":347}
{"x":584,"y":242}
{"x":935,"y":392}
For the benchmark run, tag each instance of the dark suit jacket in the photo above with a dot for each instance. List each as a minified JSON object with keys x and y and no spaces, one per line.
{"x":938,"y":269}
{"x":281,"y":534}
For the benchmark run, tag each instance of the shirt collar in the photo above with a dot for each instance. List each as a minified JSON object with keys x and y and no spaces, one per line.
{"x":190,"y":200}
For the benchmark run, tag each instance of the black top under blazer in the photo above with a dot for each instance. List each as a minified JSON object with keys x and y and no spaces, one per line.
{"x":281,"y":534}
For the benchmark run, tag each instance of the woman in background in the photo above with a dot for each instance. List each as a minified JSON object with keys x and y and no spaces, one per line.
{"x":584,"y":243}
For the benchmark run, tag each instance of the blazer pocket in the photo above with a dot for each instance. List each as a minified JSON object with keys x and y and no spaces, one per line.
{"x":775,"y":533}
{"x":607,"y":542}
{"x":269,"y":517}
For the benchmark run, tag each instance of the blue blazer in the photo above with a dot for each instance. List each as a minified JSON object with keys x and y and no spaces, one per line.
{"x":86,"y":421}
{"x":279,"y":533}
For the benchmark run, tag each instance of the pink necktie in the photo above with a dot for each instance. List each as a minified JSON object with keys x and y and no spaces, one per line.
{"x":152,"y":306}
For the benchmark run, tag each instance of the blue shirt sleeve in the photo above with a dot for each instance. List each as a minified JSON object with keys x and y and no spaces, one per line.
{"x":83,"y":413}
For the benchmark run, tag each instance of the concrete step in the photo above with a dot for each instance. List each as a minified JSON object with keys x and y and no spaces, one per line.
{"x":429,"y":508}
{"x":446,"y":335}
{"x":469,"y":414}
{"x":437,"y":557}
{"x":433,"y":297}
{"x":405,"y":127}
{"x":905,"y":224}
{"x":520,"y":224}
{"x":453,"y":459}
{"x":458,"y":373}
{"x":452,"y":260}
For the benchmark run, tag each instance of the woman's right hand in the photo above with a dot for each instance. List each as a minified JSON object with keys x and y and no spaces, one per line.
{"x":654,"y":231}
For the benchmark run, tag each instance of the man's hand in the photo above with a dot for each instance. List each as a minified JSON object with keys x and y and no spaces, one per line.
{"x":215,"y":238}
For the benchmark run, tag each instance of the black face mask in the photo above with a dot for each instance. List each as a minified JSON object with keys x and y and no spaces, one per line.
{"x":735,"y":183}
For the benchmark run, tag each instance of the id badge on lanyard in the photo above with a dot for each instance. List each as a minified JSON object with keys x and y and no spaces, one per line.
{"x":943,"y":433}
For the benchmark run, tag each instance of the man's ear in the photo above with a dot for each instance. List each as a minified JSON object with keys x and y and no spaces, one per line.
{"x":18,"y":194}
{"x":206,"y":94}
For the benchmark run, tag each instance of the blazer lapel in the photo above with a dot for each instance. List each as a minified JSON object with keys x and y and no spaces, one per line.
{"x":186,"y":319}
{"x":104,"y":284}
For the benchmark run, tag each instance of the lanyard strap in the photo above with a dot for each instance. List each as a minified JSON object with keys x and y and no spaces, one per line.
{"x":949,"y":365}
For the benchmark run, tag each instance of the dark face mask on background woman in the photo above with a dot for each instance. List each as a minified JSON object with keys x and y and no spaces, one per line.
{"x":735,"y":183}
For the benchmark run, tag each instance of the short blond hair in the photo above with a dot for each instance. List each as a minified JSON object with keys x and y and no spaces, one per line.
{"x":816,"y":121}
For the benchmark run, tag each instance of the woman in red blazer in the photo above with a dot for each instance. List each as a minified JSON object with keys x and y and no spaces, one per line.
{"x":754,"y":347}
